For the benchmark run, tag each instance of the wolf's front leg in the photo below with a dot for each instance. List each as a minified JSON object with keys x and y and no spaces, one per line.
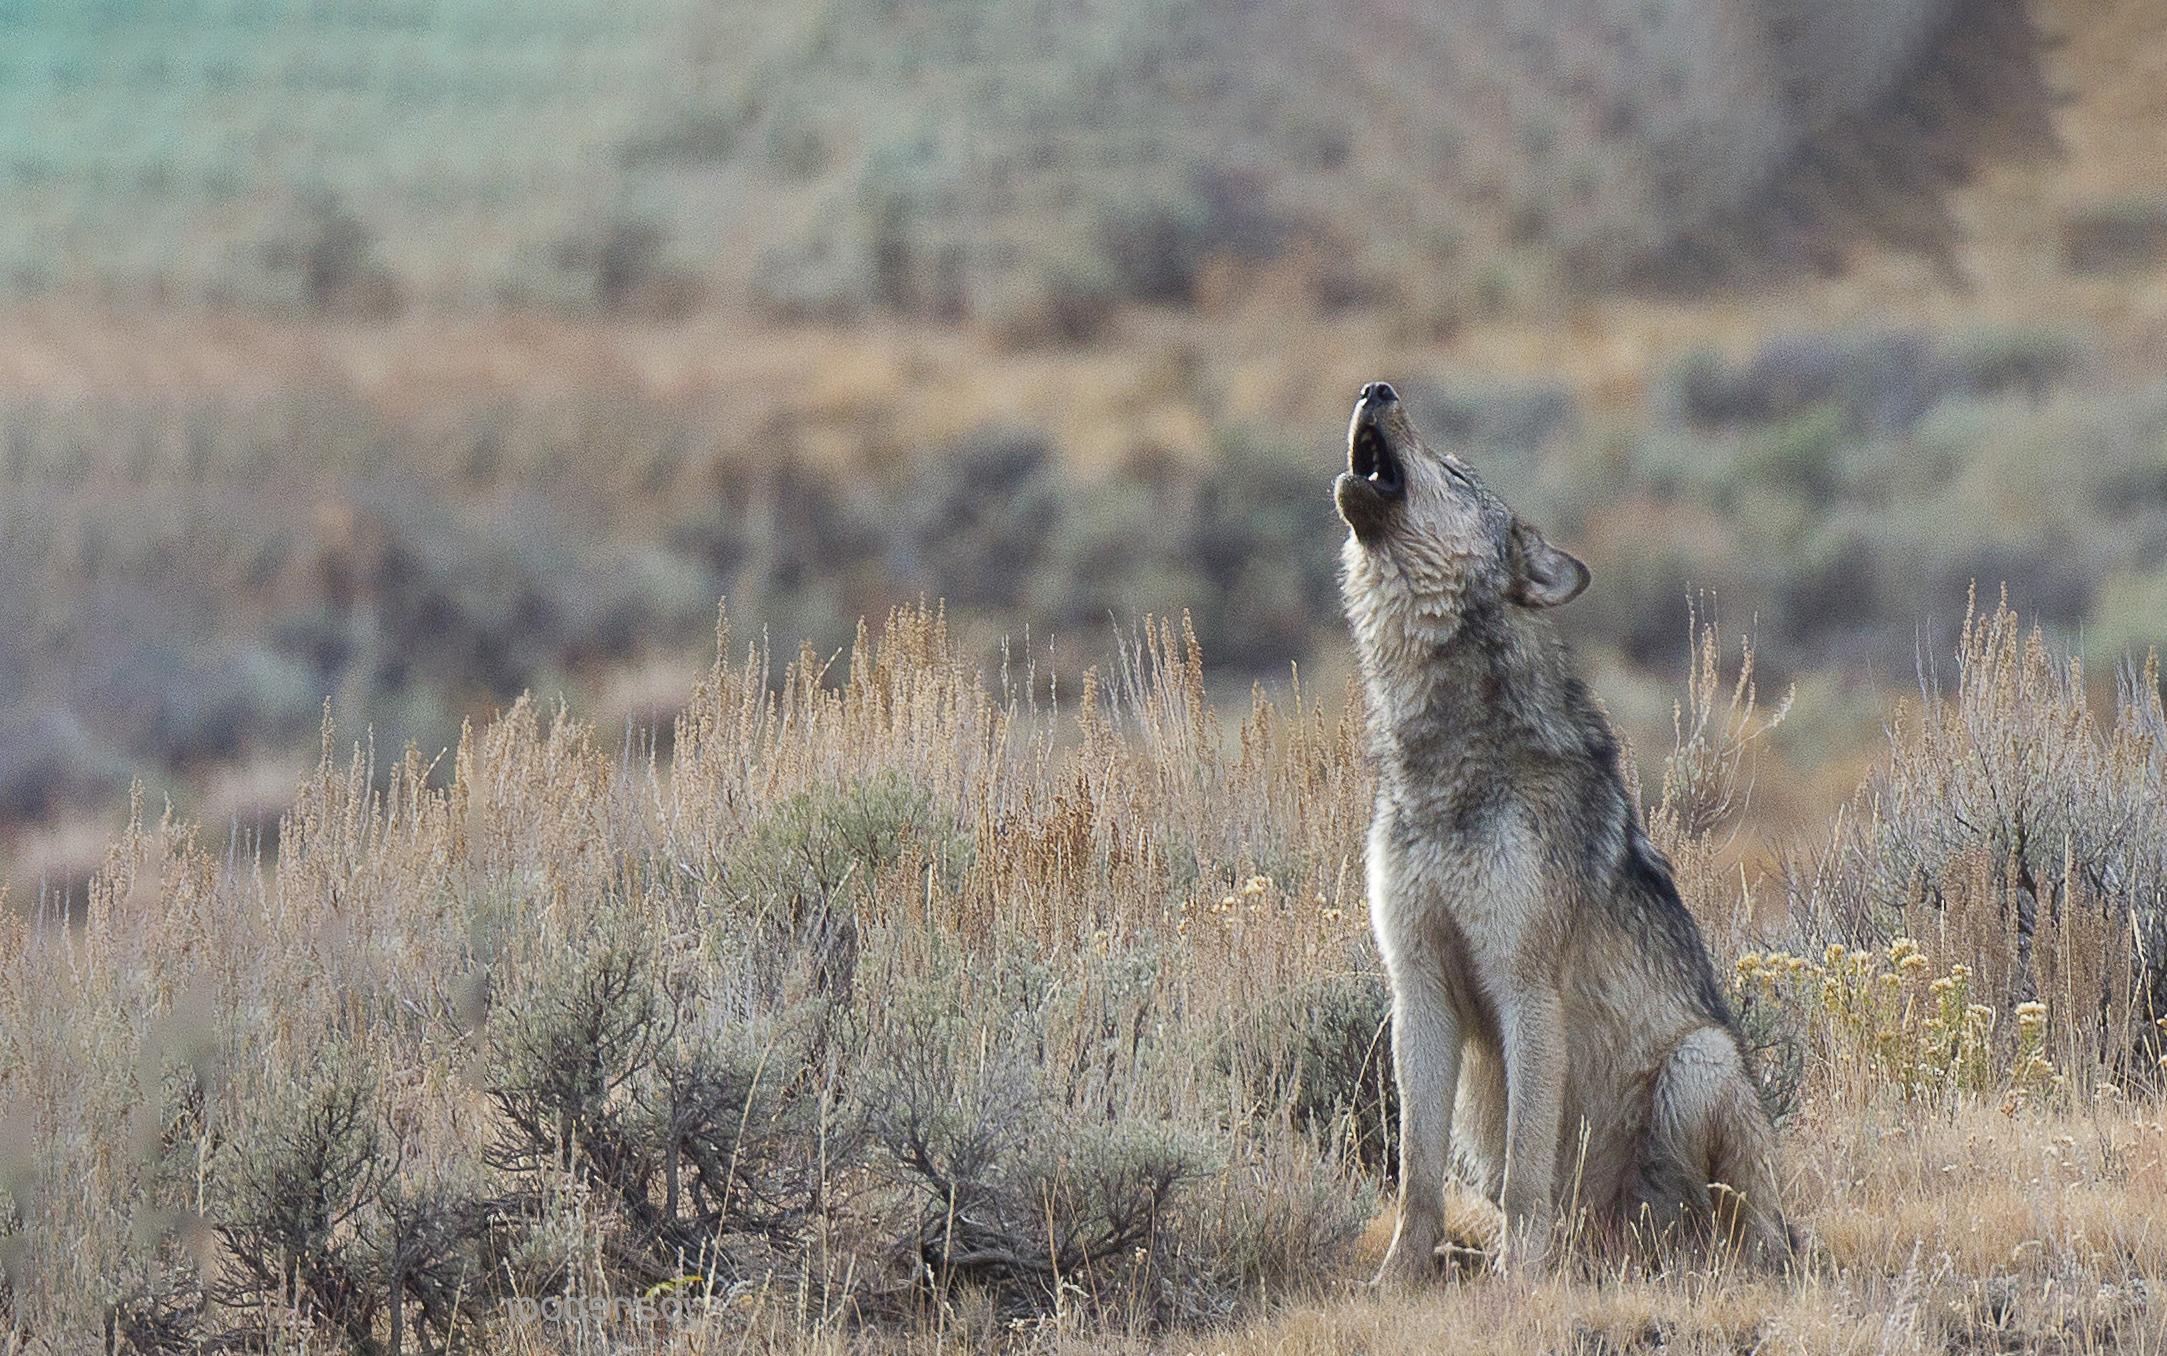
{"x":1534,"y":1031}
{"x":1426,"y":1064}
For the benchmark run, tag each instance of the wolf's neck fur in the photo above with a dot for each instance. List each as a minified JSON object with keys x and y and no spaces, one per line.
{"x":1453,"y":676}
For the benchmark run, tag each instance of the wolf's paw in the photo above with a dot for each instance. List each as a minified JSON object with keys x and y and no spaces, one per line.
{"x":1411,"y":1263}
{"x":1526,"y":1252}
{"x":1474,"y":1234}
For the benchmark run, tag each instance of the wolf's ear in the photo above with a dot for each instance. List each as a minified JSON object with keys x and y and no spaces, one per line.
{"x":1542,"y":575}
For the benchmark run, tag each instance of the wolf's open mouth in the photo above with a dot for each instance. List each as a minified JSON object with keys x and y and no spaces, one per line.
{"x":1370,"y":458}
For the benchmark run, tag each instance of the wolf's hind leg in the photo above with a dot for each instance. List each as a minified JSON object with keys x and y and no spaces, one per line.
{"x":1478,"y":1120}
{"x":1708,"y":1171}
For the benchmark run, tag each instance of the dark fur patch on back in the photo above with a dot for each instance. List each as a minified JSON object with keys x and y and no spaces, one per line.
{"x":1649,"y":893}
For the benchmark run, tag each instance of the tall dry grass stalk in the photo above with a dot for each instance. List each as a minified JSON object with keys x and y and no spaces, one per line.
{"x":1707,"y":784}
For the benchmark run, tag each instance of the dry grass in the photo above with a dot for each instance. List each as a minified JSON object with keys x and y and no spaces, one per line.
{"x":1966,"y":1231}
{"x":893,"y":913}
{"x":152,"y":1052}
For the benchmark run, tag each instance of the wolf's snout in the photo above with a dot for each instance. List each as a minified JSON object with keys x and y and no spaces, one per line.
{"x":1381,"y":392}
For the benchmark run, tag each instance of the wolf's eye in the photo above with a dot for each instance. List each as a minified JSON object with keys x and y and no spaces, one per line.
{"x":1457,"y":474}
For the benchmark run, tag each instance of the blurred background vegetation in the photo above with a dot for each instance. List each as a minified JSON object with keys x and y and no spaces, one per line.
{"x":401,"y":356}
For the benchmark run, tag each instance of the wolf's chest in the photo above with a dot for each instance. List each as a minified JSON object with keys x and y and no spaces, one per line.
{"x":1478,"y":890}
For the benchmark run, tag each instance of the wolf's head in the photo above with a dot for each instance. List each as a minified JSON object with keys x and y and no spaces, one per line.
{"x":1428,"y":542}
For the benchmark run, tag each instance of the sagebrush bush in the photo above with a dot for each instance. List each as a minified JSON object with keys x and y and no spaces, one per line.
{"x":568,"y":1040}
{"x":295,"y":1188}
{"x":1324,"y":1054}
{"x":1046,"y":1117}
{"x":332,"y":1217}
{"x":707,"y":1131}
{"x":1029,"y":1171}
{"x":2018,"y":836}
{"x":810,"y":864}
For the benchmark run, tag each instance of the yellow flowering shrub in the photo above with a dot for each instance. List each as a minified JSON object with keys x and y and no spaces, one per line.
{"x":1883,"y":1019}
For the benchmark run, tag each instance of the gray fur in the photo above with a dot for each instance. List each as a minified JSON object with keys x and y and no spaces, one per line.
{"x":1551,"y":996}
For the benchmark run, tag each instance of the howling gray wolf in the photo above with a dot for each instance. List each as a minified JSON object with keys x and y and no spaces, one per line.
{"x":1555,"y":1015}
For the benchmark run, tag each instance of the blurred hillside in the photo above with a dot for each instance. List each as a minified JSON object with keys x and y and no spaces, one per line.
{"x":1014,"y":161}
{"x":407,"y":356}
